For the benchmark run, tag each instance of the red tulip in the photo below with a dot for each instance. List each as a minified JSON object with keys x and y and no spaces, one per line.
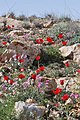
{"x":60,"y":35}
{"x":6,"y":78}
{"x":33,"y":76}
{"x":65,"y":97}
{"x":42,"y":68}
{"x":21,"y":76}
{"x":49,"y":39}
{"x":39,"y":41}
{"x":21,"y":60}
{"x":4,"y":43}
{"x":8,"y":27}
{"x":38,"y":71}
{"x":64,"y":42}
{"x":57,"y":91}
{"x":67,"y":64}
{"x":10,"y":82}
{"x":61,"y":82}
{"x":38,"y":58}
{"x":17,"y":57}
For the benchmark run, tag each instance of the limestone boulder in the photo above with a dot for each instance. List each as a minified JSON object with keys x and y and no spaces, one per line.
{"x":71,"y":84}
{"x":66,"y":50}
{"x":29,"y":110}
{"x":19,"y":108}
{"x":72,"y":52}
{"x":76,"y":53}
{"x":48,"y":24}
{"x":35,"y":110}
{"x":16,"y":32}
{"x":9,"y":21}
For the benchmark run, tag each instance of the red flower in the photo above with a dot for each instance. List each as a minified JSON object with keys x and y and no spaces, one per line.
{"x":65,"y":97}
{"x":42,"y":68}
{"x":39,"y":41}
{"x":10,"y":82}
{"x":21,"y":76}
{"x":8,"y":27}
{"x":12,"y":26}
{"x":21,"y":60}
{"x":4,"y":43}
{"x":21,"y":69}
{"x":57,"y":91}
{"x":17,"y":57}
{"x":38,"y":58}
{"x":64,"y":42}
{"x":49,"y":39}
{"x":53,"y":42}
{"x":67,"y":64}
{"x":78,"y":70}
{"x":6,"y":78}
{"x":38,"y":70}
{"x":61,"y":82}
{"x":60,"y":35}
{"x":33,"y":76}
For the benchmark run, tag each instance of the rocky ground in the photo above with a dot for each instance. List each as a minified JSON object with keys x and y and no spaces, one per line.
{"x":39,"y":69}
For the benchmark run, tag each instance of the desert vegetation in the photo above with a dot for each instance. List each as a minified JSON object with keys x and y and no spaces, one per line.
{"x":39,"y":68}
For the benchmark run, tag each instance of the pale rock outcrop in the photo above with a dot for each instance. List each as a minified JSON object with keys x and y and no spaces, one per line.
{"x":9,"y":21}
{"x":72,"y":51}
{"x":25,"y":109}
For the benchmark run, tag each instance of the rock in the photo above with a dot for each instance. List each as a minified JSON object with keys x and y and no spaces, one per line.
{"x":66,"y":51}
{"x":16,"y":32}
{"x":69,"y":101}
{"x":27,"y":50}
{"x":53,"y":115}
{"x":72,"y":52}
{"x":19,"y":107}
{"x":30,"y":101}
{"x":76,"y":53}
{"x":17,"y":24}
{"x":29,"y":110}
{"x":73,"y":84}
{"x":48,"y":25}
{"x":37,"y":111}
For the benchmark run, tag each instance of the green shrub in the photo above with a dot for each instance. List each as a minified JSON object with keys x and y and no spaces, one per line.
{"x":51,"y":55}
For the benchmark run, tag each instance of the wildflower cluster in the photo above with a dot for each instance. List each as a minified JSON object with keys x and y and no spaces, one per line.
{"x":20,"y":79}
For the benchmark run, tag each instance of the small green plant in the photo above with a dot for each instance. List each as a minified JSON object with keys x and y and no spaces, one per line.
{"x":51,"y":55}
